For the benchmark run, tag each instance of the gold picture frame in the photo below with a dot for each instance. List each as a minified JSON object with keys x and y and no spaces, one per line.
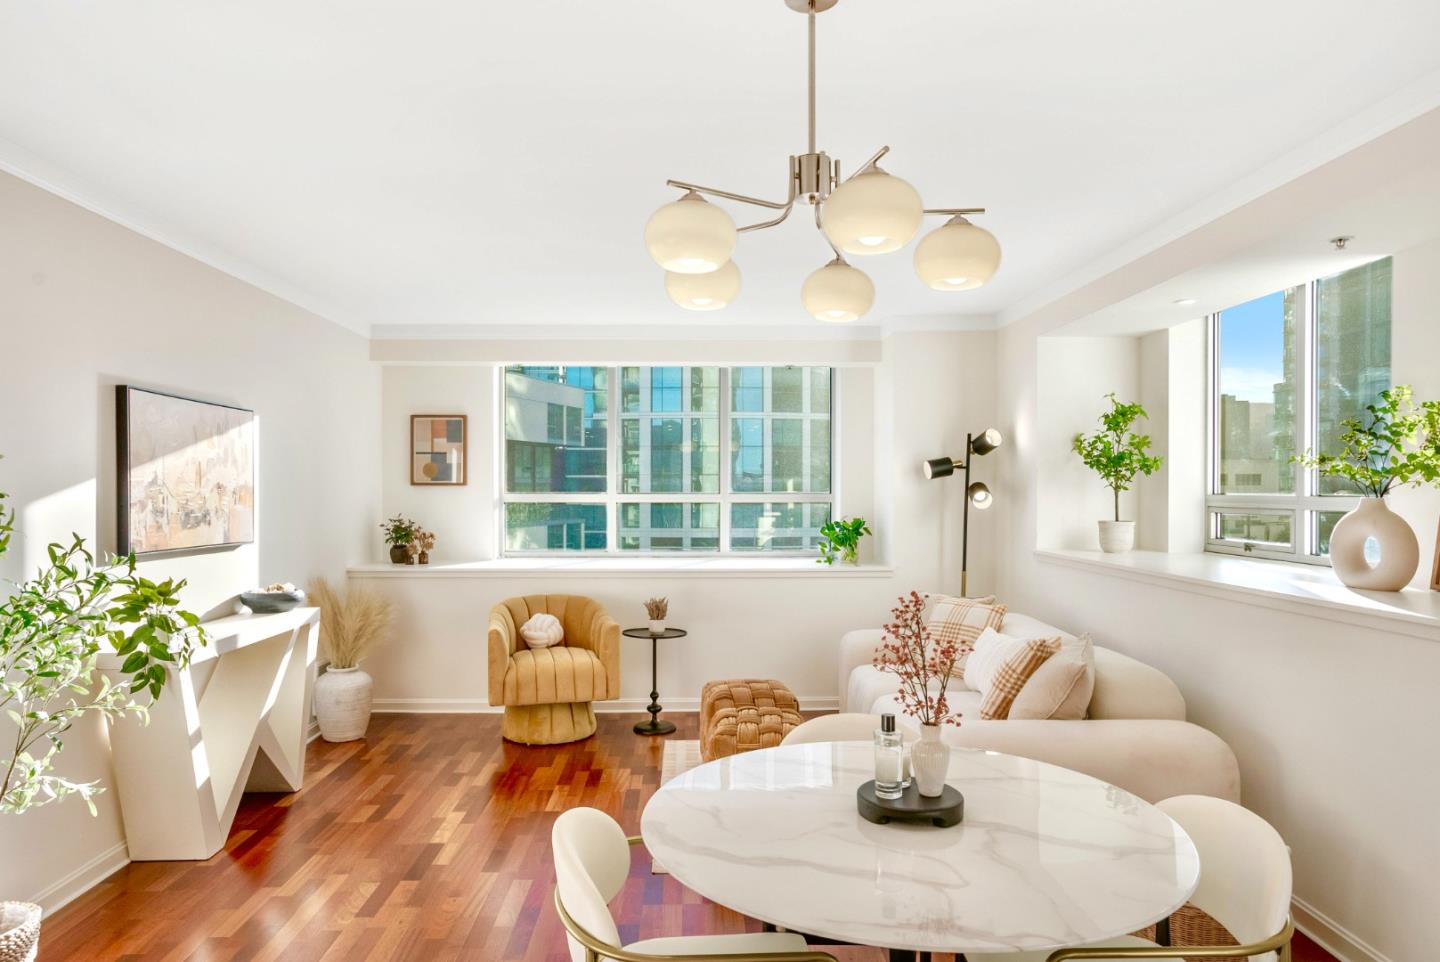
{"x":438,"y":450}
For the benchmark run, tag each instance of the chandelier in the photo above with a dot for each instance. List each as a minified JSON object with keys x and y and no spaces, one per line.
{"x":867,"y":213}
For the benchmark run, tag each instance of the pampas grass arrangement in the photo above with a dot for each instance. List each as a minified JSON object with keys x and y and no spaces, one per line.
{"x":352,"y":623}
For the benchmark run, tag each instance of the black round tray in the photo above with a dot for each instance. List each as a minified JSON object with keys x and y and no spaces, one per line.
{"x":942,"y":812}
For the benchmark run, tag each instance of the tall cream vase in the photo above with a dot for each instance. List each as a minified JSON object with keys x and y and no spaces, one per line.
{"x":1399,"y":548}
{"x":343,"y":698}
{"x":930,"y":762}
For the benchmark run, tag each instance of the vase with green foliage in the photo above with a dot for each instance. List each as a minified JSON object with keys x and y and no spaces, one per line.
{"x":54,"y":628}
{"x":1394,"y":443}
{"x":841,"y":540}
{"x":1118,"y":454}
{"x":400,"y":534}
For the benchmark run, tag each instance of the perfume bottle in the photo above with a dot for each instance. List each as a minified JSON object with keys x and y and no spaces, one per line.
{"x":889,"y":775}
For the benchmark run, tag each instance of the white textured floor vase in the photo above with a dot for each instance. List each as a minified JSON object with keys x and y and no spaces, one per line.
{"x":929,"y":761}
{"x":342,"y":703}
{"x":1117,"y":537}
{"x":19,"y":931}
{"x":1399,"y":548}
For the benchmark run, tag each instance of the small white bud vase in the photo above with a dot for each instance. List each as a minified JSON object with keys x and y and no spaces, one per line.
{"x":657,"y":626}
{"x":342,"y":703}
{"x":1117,"y":537}
{"x":1399,"y":548}
{"x":930,"y":762}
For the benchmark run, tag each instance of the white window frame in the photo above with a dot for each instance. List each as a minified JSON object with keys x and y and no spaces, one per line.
{"x":1305,"y":503}
{"x":613,"y":499}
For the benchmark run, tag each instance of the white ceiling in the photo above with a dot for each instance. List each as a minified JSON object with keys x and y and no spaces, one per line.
{"x":484,"y":163}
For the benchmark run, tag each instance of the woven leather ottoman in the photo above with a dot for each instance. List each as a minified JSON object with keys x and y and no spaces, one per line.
{"x":743,"y":714}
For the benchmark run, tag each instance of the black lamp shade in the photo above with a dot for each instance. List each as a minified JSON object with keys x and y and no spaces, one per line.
{"x":980,"y":496}
{"x":939,"y":468}
{"x":986,"y":441}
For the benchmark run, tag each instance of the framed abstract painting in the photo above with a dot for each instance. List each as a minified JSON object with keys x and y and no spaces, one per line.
{"x":186,"y":473}
{"x":437,"y":449}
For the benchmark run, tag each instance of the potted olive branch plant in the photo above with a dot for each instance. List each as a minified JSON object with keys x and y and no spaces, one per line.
{"x":1118,"y":454}
{"x":1393,"y":444}
{"x":53,"y":630}
{"x":841,"y":539}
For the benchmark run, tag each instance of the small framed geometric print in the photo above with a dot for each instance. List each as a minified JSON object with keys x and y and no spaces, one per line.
{"x":437,"y":449}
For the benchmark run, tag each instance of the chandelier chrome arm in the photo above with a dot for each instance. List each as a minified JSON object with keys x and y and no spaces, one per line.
{"x":955,"y":211}
{"x":869,"y":163}
{"x":821,"y":228}
{"x":767,"y":223}
{"x":742,"y":198}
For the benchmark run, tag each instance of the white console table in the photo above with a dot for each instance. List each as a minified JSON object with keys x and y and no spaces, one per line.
{"x":234,"y":720}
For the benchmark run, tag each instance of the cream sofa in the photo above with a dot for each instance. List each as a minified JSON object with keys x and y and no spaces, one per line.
{"x":1136,"y":735}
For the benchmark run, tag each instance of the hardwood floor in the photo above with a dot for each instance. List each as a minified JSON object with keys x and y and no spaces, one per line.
{"x":427,"y":841}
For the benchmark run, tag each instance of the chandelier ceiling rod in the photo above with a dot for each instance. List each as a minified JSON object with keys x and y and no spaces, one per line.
{"x":811,"y":17}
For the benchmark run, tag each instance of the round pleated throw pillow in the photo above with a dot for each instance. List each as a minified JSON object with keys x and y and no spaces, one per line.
{"x":542,"y":631}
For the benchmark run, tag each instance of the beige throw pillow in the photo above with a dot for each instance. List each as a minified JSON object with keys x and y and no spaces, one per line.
{"x":1014,"y":673}
{"x":992,"y":649}
{"x":542,"y":631}
{"x":962,"y":620}
{"x":1060,"y":689}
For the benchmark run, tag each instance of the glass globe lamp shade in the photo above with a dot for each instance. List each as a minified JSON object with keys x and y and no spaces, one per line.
{"x":704,"y":292}
{"x":690,"y":236}
{"x":837,"y":293}
{"x":957,"y":257}
{"x":872,"y":213}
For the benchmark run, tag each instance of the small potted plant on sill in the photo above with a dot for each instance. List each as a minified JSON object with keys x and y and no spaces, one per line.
{"x":841,"y":539}
{"x":423,"y":544}
{"x":54,"y":629}
{"x":352,"y":625}
{"x":657,"y":609}
{"x":400,"y":534}
{"x":924,"y":667}
{"x":1394,"y":444}
{"x":1118,"y":454}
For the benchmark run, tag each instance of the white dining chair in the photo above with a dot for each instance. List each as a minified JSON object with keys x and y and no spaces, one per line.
{"x":1244,"y":885}
{"x":592,"y":861}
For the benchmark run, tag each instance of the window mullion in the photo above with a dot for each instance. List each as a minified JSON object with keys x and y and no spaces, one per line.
{"x":727,"y":484}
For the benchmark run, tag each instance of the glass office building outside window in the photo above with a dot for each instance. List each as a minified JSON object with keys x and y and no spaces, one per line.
{"x":708,"y":459}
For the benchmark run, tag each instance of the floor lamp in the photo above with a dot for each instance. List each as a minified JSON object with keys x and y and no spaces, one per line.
{"x":976,"y":445}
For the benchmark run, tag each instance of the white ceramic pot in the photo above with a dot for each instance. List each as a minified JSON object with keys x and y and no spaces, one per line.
{"x":657,"y":626}
{"x":1399,"y":548}
{"x":1117,"y":537}
{"x":342,"y":703}
{"x":19,"y":931}
{"x":930,"y":761}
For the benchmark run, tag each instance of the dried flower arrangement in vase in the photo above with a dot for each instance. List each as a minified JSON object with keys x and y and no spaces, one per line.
{"x":924,"y":667}
{"x":657,"y":609}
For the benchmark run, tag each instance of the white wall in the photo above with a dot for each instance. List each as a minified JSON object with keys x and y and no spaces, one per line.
{"x":915,"y":402}
{"x":1337,"y":729}
{"x":85,"y":304}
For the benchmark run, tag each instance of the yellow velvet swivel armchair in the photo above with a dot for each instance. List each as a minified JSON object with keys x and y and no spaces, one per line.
{"x":547,"y":692}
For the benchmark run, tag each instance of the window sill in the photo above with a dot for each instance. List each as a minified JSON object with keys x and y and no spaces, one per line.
{"x":1302,"y":589}
{"x":626,"y":568}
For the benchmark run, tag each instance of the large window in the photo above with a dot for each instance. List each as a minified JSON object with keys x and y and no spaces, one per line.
{"x":1286,"y":370}
{"x":708,"y":459}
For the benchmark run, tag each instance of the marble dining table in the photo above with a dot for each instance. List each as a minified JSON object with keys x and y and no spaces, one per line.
{"x":1045,"y":857}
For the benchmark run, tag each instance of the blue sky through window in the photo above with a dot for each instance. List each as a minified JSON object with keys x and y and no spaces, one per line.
{"x":1252,"y":348}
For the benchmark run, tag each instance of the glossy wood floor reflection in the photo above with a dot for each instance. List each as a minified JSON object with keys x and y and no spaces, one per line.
{"x":427,"y":841}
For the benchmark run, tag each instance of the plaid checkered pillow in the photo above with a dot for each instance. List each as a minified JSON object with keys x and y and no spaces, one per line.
{"x":1014,"y":673}
{"x":962,"y":620}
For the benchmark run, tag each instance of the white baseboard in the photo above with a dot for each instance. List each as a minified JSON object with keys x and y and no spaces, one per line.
{"x":84,"y":878}
{"x":473,"y":706}
{"x":1332,"y":936}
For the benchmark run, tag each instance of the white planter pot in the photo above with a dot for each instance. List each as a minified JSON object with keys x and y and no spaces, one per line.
{"x":1117,"y":537}
{"x":19,"y":931}
{"x":1399,"y":548}
{"x":930,"y":761}
{"x":342,"y":703}
{"x":657,"y":626}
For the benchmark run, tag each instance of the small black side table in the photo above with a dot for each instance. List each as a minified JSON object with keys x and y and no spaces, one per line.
{"x":654,"y":726}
